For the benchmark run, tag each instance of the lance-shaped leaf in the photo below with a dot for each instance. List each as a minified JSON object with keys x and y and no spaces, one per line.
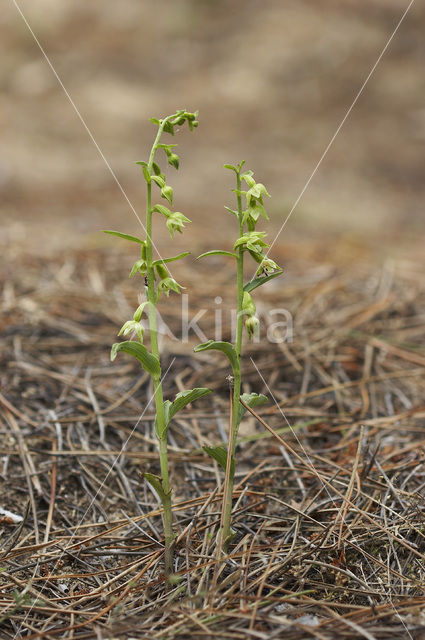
{"x":231,"y":167}
{"x":219,"y":454}
{"x":156,"y":484}
{"x":252,"y":400}
{"x":164,"y":260}
{"x":161,"y":145}
{"x":161,"y":209}
{"x":124,"y":236}
{"x":145,"y":170}
{"x":257,"y":282}
{"x":181,"y":400}
{"x":184,"y":398}
{"x":225,"y":347}
{"x":148,"y":361}
{"x":157,"y":170}
{"x":235,"y":169}
{"x":217,"y":252}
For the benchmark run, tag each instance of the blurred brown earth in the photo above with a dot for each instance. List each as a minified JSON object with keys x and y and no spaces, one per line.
{"x":272,"y":82}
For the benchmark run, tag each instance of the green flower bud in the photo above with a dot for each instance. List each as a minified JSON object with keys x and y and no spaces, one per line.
{"x":248,"y":304}
{"x":159,"y":180}
{"x":162,"y":271}
{"x":168,"y":127}
{"x":167,"y":193}
{"x":173,"y":159}
{"x":139,"y":311}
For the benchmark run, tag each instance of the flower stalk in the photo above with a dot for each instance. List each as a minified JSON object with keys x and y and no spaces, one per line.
{"x":248,"y":241}
{"x":158,"y":280}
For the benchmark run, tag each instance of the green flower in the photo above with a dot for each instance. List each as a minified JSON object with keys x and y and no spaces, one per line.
{"x":256,"y":192}
{"x":253,"y":240}
{"x":175,"y":222}
{"x":139,"y":267}
{"x":267,"y":266}
{"x":252,"y":326}
{"x":132,"y":326}
{"x":168,"y":284}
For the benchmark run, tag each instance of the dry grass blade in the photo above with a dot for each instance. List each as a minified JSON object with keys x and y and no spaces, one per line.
{"x":328,"y":523}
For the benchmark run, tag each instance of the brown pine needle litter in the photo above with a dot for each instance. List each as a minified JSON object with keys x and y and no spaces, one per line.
{"x":328,"y":506}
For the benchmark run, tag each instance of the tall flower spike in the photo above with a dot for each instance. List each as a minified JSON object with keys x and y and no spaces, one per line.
{"x":249,"y":241}
{"x":157,"y":281}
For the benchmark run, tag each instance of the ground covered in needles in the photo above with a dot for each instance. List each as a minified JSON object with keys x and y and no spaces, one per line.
{"x":328,"y":509}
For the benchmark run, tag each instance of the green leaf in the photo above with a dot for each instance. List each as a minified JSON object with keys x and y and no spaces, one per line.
{"x":235,"y":169}
{"x":235,"y":213}
{"x":252,"y":400}
{"x":258,"y":256}
{"x":160,"y":208}
{"x":225,"y":347}
{"x":139,"y":351}
{"x":161,"y":270}
{"x":238,"y":192}
{"x":145,"y":171}
{"x":156,"y":484}
{"x":181,"y":400}
{"x":165,"y":260}
{"x":217,"y":252}
{"x":124,"y":236}
{"x":166,"y":147}
{"x":156,"y":169}
{"x":257,"y":282}
{"x":155,"y":120}
{"x":184,"y":398}
{"x":162,"y":435}
{"x":219,"y":454}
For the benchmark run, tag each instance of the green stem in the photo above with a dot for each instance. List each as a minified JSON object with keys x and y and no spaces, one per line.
{"x":234,"y":413}
{"x":158,"y":393}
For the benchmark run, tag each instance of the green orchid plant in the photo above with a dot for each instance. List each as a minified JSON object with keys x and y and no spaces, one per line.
{"x":252,"y":242}
{"x":158,"y":281}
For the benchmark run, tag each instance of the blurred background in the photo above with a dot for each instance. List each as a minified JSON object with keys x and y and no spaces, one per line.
{"x":272,"y":82}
